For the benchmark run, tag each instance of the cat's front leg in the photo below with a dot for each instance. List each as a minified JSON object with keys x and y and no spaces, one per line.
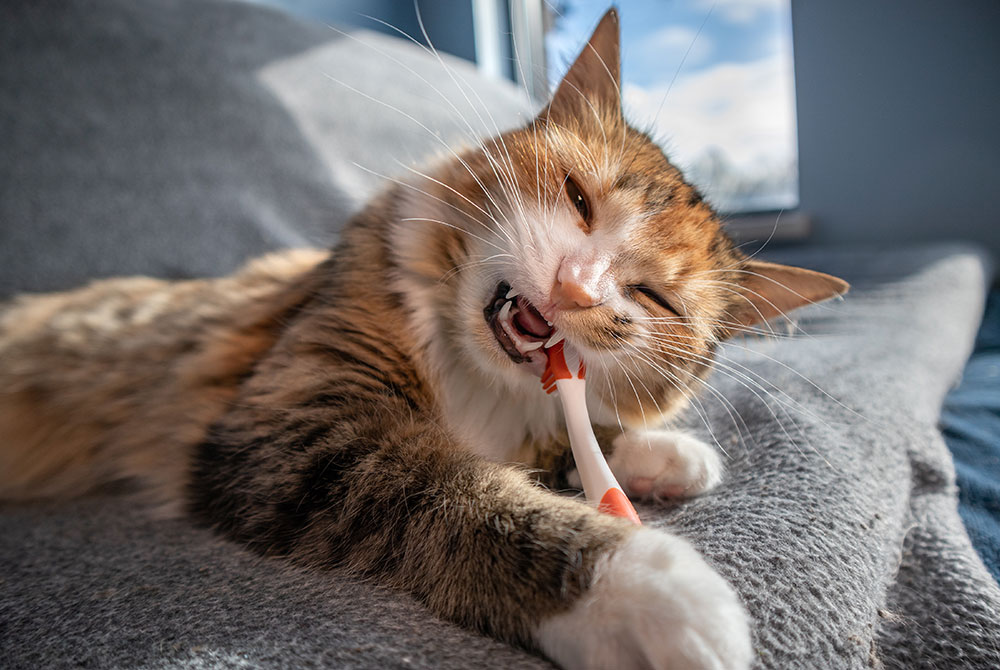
{"x":662,"y":464}
{"x":653,"y":603}
{"x":477,"y":542}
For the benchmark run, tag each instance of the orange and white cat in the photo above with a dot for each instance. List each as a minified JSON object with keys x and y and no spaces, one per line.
{"x":377,"y":409}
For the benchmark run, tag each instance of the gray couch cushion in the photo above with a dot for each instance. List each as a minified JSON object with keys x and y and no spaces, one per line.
{"x":176,"y":139}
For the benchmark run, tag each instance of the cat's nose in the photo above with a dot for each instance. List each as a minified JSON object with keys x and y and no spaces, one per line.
{"x":579,"y":283}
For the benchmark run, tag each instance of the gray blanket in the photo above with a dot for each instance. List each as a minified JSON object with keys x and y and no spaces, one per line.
{"x":220,"y":136}
{"x":837,"y":522}
{"x":178,"y":138}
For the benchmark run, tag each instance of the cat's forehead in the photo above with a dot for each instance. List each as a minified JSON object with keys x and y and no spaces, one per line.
{"x":632,"y":174}
{"x":640,"y":203}
{"x":612,"y":153}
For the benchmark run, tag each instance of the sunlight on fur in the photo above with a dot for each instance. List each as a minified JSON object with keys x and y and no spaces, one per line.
{"x":378,"y":408}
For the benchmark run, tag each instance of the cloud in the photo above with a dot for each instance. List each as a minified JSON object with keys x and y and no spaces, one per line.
{"x":743,"y":113}
{"x":743,"y":11}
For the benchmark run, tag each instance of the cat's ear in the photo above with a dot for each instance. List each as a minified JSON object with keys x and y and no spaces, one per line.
{"x":770,"y":290}
{"x":594,"y":79}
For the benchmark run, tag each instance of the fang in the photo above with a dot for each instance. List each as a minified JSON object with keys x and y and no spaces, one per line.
{"x":555,"y":339}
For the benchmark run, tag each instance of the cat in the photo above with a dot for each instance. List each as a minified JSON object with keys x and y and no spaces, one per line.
{"x":378,"y":409}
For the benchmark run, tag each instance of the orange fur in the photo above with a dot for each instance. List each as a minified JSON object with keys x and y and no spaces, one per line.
{"x":344,"y":409}
{"x":118,"y":380}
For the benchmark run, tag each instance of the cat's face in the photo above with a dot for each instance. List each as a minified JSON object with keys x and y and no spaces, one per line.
{"x":578,"y":227}
{"x":609,"y":248}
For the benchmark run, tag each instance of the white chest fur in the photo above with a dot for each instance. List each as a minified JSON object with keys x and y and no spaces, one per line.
{"x":492,"y":421}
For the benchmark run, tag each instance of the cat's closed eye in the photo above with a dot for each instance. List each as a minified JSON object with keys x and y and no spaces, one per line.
{"x":649,"y":293}
{"x":579,"y":201}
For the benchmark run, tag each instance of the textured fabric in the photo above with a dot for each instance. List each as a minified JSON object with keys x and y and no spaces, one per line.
{"x":177,"y":138}
{"x":837,"y":522}
{"x":840,"y":524}
{"x":185,"y":136}
{"x":970,"y":422}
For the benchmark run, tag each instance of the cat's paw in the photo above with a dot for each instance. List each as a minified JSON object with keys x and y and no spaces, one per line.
{"x":664,"y":464}
{"x":654,"y":603}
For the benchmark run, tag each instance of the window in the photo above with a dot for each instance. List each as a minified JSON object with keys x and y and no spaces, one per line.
{"x":711,"y":80}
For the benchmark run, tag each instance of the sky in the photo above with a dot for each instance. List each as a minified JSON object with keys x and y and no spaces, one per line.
{"x":712,"y":80}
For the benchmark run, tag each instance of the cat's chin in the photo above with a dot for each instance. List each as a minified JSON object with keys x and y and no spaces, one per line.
{"x":521,"y":331}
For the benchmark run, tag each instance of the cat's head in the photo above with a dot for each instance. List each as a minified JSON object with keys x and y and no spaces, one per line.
{"x":578,"y":226}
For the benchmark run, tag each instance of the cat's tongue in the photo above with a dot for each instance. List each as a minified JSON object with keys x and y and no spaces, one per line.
{"x":530,"y":321}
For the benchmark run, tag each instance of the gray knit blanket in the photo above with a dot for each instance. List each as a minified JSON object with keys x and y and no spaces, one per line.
{"x":837,"y":521}
{"x":177,"y":138}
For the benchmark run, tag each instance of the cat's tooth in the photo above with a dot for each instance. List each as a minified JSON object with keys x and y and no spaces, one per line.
{"x":555,"y":339}
{"x":505,"y":310}
{"x":531,"y":346}
{"x":512,"y":293}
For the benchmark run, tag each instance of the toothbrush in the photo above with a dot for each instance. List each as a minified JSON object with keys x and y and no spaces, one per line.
{"x":599,"y":484}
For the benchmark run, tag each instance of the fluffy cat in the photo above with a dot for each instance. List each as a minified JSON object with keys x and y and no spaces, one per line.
{"x":378,"y":409}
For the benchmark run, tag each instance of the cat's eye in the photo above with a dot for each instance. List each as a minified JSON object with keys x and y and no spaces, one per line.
{"x":654,"y":296}
{"x":577,"y":198}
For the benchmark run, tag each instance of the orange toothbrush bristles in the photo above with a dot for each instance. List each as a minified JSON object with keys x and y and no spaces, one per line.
{"x":557,"y":368}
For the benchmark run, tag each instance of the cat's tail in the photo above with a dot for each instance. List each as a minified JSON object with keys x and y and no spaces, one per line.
{"x":113,"y":383}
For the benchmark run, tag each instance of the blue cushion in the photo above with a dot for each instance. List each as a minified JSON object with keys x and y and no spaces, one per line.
{"x":970,"y":421}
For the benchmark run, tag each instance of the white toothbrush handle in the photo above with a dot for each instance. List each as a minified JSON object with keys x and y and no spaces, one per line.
{"x":594,"y":471}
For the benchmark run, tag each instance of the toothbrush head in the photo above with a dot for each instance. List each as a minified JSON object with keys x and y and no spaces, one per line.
{"x":562,"y":363}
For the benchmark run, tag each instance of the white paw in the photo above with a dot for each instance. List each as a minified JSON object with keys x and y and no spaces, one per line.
{"x":663,"y":464}
{"x":654,"y":603}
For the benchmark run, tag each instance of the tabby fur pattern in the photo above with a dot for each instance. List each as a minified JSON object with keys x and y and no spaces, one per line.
{"x":377,"y":409}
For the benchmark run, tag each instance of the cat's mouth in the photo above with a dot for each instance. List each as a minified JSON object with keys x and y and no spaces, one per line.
{"x":519,"y":328}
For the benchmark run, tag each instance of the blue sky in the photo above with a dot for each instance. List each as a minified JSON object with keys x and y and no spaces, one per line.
{"x":736,"y":31}
{"x":733,"y":97}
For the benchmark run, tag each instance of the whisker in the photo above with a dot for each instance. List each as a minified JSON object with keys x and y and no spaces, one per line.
{"x":753,"y":387}
{"x":462,"y":266}
{"x":451,"y":225}
{"x":611,"y":392}
{"x":730,"y":368}
{"x":689,"y":395}
{"x":412,"y":187}
{"x":464,"y":197}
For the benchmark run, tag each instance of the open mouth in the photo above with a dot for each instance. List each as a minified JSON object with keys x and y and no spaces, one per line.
{"x":518,"y":326}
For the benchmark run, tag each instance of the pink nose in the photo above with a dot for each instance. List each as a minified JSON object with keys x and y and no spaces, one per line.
{"x":578,"y":284}
{"x":573,"y":295}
